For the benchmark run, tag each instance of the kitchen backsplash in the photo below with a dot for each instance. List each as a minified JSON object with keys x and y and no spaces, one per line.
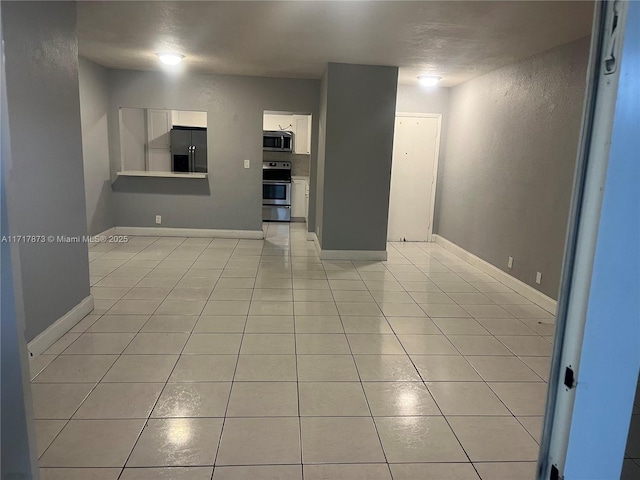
{"x":300,"y":164}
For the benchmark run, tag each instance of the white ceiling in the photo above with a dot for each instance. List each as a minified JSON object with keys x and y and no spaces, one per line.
{"x":455,"y":40}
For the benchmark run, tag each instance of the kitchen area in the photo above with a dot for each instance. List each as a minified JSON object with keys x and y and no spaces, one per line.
{"x":157,"y":142}
{"x":286,"y":162}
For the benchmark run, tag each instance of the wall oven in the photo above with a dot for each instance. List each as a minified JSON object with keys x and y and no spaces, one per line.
{"x":276,"y":191}
{"x":277,"y":141}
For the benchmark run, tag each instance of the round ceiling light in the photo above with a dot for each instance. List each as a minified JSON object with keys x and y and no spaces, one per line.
{"x":170,"y":58}
{"x":428,"y":80}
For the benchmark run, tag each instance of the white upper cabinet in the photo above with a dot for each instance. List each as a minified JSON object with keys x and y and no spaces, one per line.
{"x":299,"y":125}
{"x":302,"y":139}
{"x":158,"y":128}
{"x":186,"y":118}
{"x":278,"y":122}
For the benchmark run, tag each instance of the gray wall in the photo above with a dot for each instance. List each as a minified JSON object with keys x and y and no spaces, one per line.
{"x":318,"y":209}
{"x":94,"y":105}
{"x":46,"y":181}
{"x":421,"y":99}
{"x":505,"y":184}
{"x":360,"y":118}
{"x":231,"y":198}
{"x":19,"y":458}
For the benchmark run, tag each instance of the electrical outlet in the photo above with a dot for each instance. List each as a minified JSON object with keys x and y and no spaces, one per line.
{"x":247,"y":164}
{"x":538,"y":277}
{"x":510,"y":262}
{"x":158,"y":219}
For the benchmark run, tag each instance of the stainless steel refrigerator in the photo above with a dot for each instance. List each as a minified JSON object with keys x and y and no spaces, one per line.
{"x":189,"y":149}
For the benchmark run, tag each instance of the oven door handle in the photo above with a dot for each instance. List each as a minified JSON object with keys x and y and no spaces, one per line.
{"x":276,"y":182}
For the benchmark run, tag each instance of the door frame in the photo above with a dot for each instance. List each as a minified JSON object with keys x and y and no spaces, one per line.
{"x":438,"y":117}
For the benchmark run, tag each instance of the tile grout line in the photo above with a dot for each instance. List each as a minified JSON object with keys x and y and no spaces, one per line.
{"x":146,"y":422}
{"x":139,"y":331}
{"x":487,"y":385}
{"x":295,"y":347}
{"x":364,"y":393}
{"x":436,"y":403}
{"x":95,"y":385}
{"x":406,"y":256}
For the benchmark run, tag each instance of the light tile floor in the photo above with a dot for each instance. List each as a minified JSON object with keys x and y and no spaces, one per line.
{"x":247,"y":359}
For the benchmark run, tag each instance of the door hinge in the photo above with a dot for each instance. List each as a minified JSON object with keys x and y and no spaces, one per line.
{"x":612,"y":41}
{"x":569,"y":378}
{"x":555,"y":473}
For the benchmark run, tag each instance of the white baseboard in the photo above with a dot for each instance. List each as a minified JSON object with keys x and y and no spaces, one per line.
{"x":310,"y":236}
{"x":527,"y":291}
{"x":316,"y":242}
{"x":347,"y":254}
{"x":107,"y":232}
{"x":61,"y":326}
{"x":190,"y":232}
{"x":353,"y":255}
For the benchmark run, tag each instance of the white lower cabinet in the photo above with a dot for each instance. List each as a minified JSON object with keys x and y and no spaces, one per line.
{"x":299,"y":198}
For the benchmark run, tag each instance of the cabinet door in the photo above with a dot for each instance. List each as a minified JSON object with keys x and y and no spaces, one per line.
{"x":185,"y":118}
{"x":302,"y":140}
{"x":199,"y":143}
{"x":133,"y":138}
{"x":298,"y":200}
{"x":278,"y":122}
{"x":158,"y":128}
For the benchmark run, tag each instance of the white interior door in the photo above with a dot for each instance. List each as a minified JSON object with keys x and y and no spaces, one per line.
{"x":413,"y":175}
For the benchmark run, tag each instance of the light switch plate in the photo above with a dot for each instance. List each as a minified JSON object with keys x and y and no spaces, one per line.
{"x":247,"y":164}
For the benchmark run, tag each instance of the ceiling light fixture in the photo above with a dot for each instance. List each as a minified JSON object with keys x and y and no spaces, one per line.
{"x":170,"y":58}
{"x":428,"y":80}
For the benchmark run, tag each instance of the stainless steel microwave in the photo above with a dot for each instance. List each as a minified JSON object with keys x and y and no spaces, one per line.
{"x":277,"y":141}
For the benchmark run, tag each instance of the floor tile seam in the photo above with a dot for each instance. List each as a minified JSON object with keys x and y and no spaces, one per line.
{"x":146,"y":423}
{"x":233,"y":377}
{"x":519,"y":355}
{"x":396,"y":334}
{"x":135,"y":255}
{"x":161,"y":300}
{"x":353,"y":359}
{"x":117,"y":300}
{"x":434,"y":400}
{"x":295,"y":349}
{"x":542,"y":380}
{"x":172,"y":289}
{"x":84,"y":399}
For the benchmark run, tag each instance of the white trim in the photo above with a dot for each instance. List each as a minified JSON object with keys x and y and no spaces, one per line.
{"x":190,"y":232}
{"x":434,"y":184}
{"x":108,"y":232}
{"x":418,"y":115}
{"x":159,"y":174}
{"x":527,"y":291}
{"x":353,"y":255}
{"x":347,"y":254}
{"x":310,"y":236}
{"x":61,"y":326}
{"x":316,"y":242}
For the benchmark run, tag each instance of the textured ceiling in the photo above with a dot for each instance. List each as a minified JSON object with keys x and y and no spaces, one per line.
{"x":455,"y":40}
